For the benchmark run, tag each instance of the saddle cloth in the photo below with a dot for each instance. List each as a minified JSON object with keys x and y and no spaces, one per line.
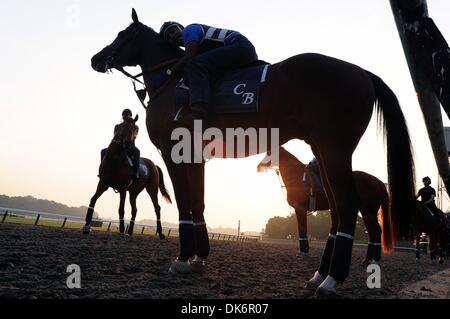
{"x":143,"y":170}
{"x":236,"y":92}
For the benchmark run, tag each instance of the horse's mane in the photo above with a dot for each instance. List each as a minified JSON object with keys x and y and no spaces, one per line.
{"x":166,"y":49}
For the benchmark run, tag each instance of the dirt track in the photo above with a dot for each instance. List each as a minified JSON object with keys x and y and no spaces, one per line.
{"x":33,"y":263}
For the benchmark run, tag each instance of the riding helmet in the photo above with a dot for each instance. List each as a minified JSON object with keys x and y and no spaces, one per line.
{"x":167,"y":25}
{"x":127,"y":113}
{"x":426,"y":178}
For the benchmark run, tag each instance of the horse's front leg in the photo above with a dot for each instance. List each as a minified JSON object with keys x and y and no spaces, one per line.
{"x":418,"y":246}
{"x":196,"y":176}
{"x":101,"y":188}
{"x":123,"y":195}
{"x":133,"y":197}
{"x":178,"y":175}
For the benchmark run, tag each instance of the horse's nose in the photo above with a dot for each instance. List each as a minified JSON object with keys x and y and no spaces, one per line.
{"x":98,"y":61}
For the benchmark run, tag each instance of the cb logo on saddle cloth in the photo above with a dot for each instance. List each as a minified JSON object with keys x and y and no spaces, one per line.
{"x":248,"y":97}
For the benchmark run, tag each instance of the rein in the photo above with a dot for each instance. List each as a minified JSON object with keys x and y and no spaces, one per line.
{"x":141,"y":94}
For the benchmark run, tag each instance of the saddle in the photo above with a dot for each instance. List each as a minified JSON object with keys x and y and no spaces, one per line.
{"x":235,"y":92}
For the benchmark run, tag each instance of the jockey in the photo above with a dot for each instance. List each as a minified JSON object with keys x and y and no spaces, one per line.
{"x":209,"y":51}
{"x":132,"y":151}
{"x":428,"y":194}
{"x":313,"y":171}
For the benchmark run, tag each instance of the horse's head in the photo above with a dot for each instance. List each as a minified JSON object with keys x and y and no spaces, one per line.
{"x":124,"y":50}
{"x":132,"y":46}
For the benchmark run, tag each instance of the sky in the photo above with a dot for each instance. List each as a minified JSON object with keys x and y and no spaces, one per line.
{"x":57,"y":113}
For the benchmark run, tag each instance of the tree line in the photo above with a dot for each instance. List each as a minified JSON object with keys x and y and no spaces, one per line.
{"x":318,"y":227}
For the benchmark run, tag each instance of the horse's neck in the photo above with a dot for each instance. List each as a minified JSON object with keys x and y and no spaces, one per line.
{"x":155,"y":52}
{"x":291,"y":172}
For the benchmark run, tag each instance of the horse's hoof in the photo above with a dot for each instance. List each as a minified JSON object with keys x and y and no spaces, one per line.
{"x":366,"y":262}
{"x":198,"y":265}
{"x":311,"y":285}
{"x":417,"y":260}
{"x":441,"y":260}
{"x":314,"y":282}
{"x":324,"y":293}
{"x":86,"y":229}
{"x":302,"y":254}
{"x":180,"y":267}
{"x":162,"y":236}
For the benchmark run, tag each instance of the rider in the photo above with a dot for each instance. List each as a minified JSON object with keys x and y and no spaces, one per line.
{"x":428,"y":194}
{"x":132,"y":151}
{"x":209,"y":51}
{"x":313,"y":171}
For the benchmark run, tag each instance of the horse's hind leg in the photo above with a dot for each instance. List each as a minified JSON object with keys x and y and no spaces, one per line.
{"x":433,"y":248}
{"x":301,"y":214}
{"x":370,"y":217}
{"x":442,"y":245}
{"x":123,"y":195}
{"x":324,"y":266}
{"x":101,"y":188}
{"x":133,"y":197}
{"x":152,"y":190}
{"x":339,"y":174}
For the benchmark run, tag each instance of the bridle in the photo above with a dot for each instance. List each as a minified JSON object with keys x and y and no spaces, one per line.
{"x":141,"y":94}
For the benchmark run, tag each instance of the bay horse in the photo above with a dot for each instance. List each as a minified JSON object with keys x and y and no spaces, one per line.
{"x":298,"y":93}
{"x":425,"y":222}
{"x":374,"y":200}
{"x":115,"y":171}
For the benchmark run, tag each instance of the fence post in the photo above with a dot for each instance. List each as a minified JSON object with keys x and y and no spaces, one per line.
{"x":37,"y":219}
{"x":4,"y":216}
{"x":64,"y":222}
{"x":143,"y":228}
{"x":109,"y":226}
{"x":212,"y":237}
{"x":168,"y":234}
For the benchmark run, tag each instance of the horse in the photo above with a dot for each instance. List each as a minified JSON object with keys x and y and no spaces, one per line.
{"x":298,"y":93}
{"x":374,"y":204}
{"x":115,"y":171}
{"x":425,"y":222}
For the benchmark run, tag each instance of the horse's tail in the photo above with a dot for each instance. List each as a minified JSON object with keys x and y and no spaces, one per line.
{"x":400,"y":163}
{"x":162,"y":187}
{"x":387,"y":239}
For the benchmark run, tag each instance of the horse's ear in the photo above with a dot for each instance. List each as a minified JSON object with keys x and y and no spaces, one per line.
{"x":134,"y":16}
{"x":136,"y":118}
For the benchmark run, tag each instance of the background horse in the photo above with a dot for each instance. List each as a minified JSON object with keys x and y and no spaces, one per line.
{"x":372,"y":192}
{"x":425,"y":222}
{"x":298,"y":94}
{"x":115,"y":171}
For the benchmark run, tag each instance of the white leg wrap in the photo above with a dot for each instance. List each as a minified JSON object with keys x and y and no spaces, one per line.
{"x":317,"y":278}
{"x":329,"y":284}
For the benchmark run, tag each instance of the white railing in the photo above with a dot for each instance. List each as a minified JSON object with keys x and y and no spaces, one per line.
{"x":37,"y":216}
